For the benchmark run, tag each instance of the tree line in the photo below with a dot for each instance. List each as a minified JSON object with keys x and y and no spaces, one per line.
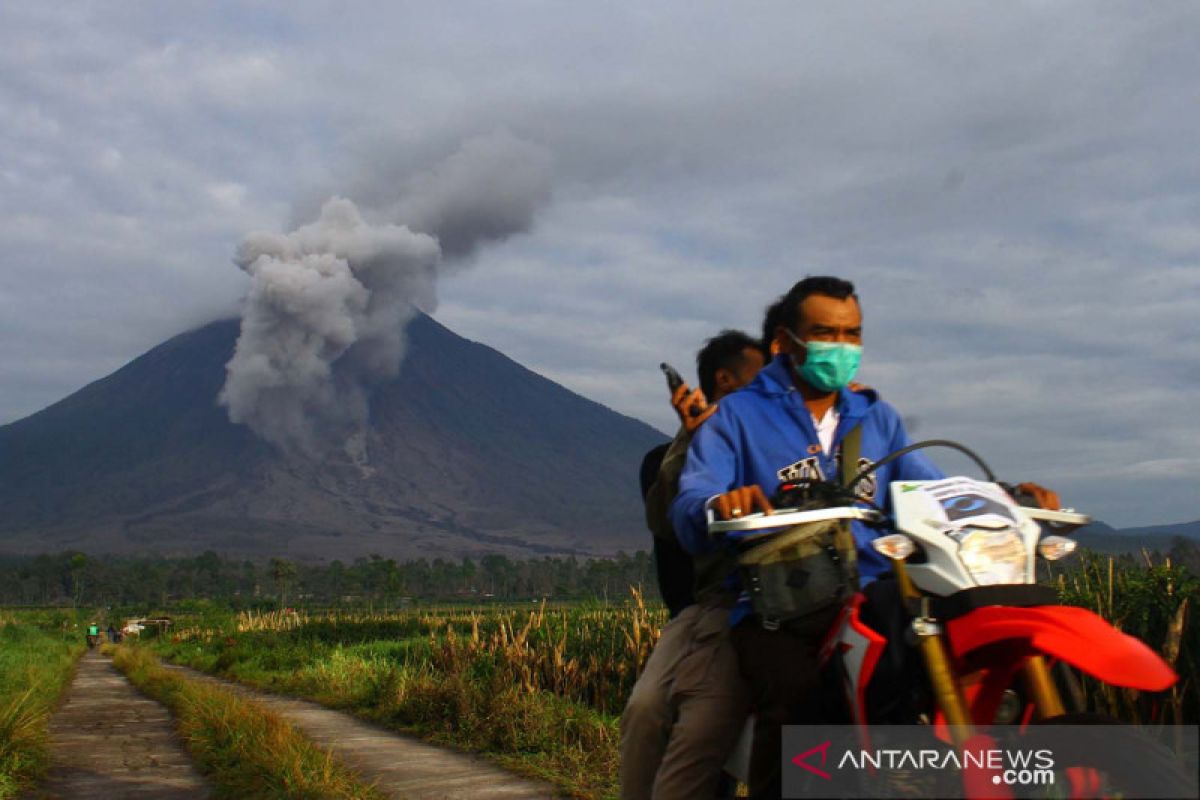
{"x":78,"y":579}
{"x":72,"y":578}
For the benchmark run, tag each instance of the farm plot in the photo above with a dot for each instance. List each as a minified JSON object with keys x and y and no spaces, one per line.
{"x":538,"y":689}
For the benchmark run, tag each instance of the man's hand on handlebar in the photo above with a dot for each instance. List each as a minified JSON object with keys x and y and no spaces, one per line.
{"x":740,"y":502}
{"x":692,"y":407}
{"x":1041,"y":495}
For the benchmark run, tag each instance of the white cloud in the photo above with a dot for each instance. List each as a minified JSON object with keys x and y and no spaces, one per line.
{"x":228,"y":195}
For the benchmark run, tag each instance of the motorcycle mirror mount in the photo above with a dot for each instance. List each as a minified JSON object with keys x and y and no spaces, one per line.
{"x":895,"y":546}
{"x":1052,"y":548}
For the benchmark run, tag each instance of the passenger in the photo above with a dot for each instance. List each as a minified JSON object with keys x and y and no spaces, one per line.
{"x":687,"y":708}
{"x":672,"y":564}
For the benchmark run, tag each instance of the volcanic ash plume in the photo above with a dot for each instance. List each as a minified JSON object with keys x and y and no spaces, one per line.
{"x":324,"y":318}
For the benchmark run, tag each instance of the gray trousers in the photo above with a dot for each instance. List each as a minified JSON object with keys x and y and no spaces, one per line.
{"x":686,"y":711}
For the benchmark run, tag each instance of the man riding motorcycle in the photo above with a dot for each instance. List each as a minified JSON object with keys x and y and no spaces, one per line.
{"x":792,"y":424}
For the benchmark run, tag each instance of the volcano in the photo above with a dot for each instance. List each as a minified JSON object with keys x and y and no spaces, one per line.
{"x":468,"y":452}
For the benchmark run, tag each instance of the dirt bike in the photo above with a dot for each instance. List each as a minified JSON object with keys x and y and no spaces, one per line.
{"x":961,"y":636}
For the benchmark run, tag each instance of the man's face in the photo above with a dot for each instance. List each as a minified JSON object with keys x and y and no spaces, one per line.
{"x":730,"y":380}
{"x":825,"y":319}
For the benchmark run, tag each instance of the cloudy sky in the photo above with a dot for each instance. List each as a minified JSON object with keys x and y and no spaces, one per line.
{"x":1014,"y":188}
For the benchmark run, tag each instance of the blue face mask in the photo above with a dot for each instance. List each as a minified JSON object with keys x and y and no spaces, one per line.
{"x":828,"y":366}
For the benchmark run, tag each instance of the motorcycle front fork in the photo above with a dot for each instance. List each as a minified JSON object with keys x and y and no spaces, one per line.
{"x":947,"y":689}
{"x":1046,"y":699}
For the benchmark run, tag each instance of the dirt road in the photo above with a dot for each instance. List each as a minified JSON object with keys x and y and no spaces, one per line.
{"x":109,"y":742}
{"x":399,"y":765}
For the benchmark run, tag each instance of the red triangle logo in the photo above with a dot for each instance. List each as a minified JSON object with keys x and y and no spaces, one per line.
{"x":801,"y":760}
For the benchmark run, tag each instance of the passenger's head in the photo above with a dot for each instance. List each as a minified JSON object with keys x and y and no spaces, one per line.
{"x":727,"y":362}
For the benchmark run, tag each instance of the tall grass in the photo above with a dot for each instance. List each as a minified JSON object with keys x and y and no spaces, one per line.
{"x":1154,"y":601}
{"x":537,"y":688}
{"x":587,"y":654}
{"x":246,"y":750}
{"x":35,"y":665}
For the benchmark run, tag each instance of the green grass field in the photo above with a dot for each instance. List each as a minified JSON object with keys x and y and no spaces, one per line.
{"x":38,"y":651}
{"x":539,"y":689}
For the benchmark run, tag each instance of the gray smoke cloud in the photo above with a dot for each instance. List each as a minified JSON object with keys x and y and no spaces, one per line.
{"x":324,"y":318}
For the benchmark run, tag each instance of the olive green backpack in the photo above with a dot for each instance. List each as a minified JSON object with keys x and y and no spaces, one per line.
{"x":805,"y":572}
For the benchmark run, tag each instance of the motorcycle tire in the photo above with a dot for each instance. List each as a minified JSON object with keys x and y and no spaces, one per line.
{"x":1141,"y":762}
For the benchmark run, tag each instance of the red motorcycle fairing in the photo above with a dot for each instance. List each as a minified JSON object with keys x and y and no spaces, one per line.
{"x":1075,"y":635}
{"x":860,"y":647}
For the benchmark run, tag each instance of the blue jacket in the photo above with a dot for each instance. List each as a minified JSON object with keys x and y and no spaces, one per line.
{"x":764,"y":434}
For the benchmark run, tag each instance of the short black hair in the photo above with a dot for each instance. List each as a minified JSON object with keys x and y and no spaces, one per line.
{"x":772,"y":319}
{"x":726,"y":350}
{"x":824,"y":285}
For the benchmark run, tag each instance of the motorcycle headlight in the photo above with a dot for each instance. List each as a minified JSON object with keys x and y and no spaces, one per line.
{"x":1052,"y":548}
{"x":994,"y":556}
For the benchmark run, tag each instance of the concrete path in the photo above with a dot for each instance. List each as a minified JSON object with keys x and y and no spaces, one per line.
{"x":399,"y":765}
{"x":109,"y":742}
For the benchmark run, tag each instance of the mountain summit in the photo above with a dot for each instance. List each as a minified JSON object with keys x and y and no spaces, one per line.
{"x":466,"y":452}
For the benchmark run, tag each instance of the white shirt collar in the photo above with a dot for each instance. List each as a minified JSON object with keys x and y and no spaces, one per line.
{"x":826,"y":427}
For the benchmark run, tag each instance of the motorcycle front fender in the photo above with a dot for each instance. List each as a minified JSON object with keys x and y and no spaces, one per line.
{"x":1075,"y":635}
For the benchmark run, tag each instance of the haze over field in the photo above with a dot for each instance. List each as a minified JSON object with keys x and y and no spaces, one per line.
{"x":1013,"y":187}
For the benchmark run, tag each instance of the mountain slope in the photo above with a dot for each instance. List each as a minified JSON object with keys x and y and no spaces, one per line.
{"x":1105,"y":539}
{"x":468,"y":452}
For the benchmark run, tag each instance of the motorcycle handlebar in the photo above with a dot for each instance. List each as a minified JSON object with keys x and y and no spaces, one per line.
{"x":1059,"y":516}
{"x":787,"y":517}
{"x":890,"y":457}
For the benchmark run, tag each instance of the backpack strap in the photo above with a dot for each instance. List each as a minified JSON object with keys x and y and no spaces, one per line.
{"x":844,"y":543}
{"x":851,"y":448}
